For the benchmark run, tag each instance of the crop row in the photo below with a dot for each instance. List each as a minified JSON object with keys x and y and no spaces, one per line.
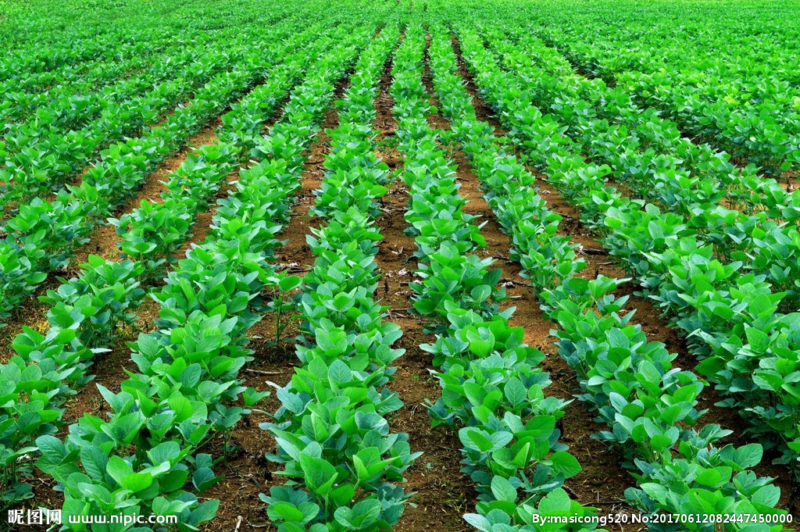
{"x":85,"y":311}
{"x":124,"y":52}
{"x":747,"y":348}
{"x":492,"y":390}
{"x":44,"y":49}
{"x":187,"y":381}
{"x":757,"y":47}
{"x":648,"y":404}
{"x":21,"y":100}
{"x":75,"y":96}
{"x":42,"y":156}
{"x":35,"y":66}
{"x":154,"y":231}
{"x":334,"y":442}
{"x":639,"y":158}
{"x":45,"y":234}
{"x":718,"y":106}
{"x":673,"y":154}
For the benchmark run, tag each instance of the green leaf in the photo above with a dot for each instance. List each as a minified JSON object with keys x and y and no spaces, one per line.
{"x":475,"y":438}
{"x":319,"y":474}
{"x":204,"y":478}
{"x":339,"y":373}
{"x":758,"y":339}
{"x":118,"y":469}
{"x":749,"y":455}
{"x":51,"y":448}
{"x":205,"y":512}
{"x":503,"y":490}
{"x":97,"y":492}
{"x":94,"y":462}
{"x":478,"y":344}
{"x":709,"y":477}
{"x":361,"y":517}
{"x":284,"y":511}
{"x":181,"y":406}
{"x":331,"y":341}
{"x":290,"y":282}
{"x":565,"y":464}
{"x":137,"y":481}
{"x":515,"y":391}
{"x":556,"y":502}
{"x":164,"y":452}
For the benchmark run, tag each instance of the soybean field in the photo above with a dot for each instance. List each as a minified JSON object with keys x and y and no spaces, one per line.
{"x":414,"y":265}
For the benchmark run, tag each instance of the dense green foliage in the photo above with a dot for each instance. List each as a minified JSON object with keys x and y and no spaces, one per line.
{"x":673,"y":128}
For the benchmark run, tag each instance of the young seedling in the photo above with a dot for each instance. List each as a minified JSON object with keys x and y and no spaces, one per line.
{"x":282,"y":303}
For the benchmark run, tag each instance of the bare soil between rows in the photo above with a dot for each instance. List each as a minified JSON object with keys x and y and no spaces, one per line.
{"x":111,"y":370}
{"x":646,"y":314}
{"x":443,"y":493}
{"x":602,"y":481}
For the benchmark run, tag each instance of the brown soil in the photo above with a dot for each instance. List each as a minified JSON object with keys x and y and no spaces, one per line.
{"x":247,"y":472}
{"x":202,"y":222}
{"x":602,"y":481}
{"x":656,"y":327}
{"x":791,"y":180}
{"x":31,"y":313}
{"x":296,"y":256}
{"x":103,"y":241}
{"x":482,"y":111}
{"x":111,"y":368}
{"x":443,"y":493}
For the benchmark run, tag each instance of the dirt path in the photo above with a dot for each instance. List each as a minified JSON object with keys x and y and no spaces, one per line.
{"x":247,"y":472}
{"x":602,"y":481}
{"x":443,"y":494}
{"x":647,"y":315}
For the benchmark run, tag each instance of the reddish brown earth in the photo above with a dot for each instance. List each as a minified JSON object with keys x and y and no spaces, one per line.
{"x":247,"y":472}
{"x":443,"y":493}
{"x":656,"y":327}
{"x":602,"y":482}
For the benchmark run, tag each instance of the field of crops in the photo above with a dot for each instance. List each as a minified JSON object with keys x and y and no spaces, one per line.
{"x":409,"y":264}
